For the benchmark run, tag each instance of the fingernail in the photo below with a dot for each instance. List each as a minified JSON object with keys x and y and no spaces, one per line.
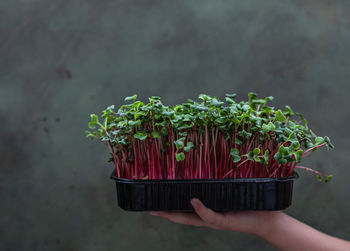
{"x":194,"y":202}
{"x":154,"y":213}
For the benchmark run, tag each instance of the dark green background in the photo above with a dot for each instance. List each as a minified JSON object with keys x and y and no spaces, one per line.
{"x":62,"y":60}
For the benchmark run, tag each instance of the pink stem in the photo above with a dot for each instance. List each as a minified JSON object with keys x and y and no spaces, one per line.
{"x":308,"y":169}
{"x":308,"y":150}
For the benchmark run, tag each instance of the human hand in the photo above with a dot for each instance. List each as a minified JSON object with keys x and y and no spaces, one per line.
{"x":279,"y":229}
{"x":253,"y":222}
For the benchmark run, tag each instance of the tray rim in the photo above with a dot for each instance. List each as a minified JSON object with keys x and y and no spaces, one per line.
{"x":179,"y":181}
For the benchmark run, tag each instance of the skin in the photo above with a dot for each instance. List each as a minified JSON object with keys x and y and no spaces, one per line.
{"x":275,"y":227}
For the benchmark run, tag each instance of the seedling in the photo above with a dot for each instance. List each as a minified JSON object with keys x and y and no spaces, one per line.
{"x":206,"y":139}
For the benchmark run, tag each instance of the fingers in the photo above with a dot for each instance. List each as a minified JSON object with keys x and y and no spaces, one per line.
{"x":182,"y":218}
{"x":212,"y":218}
{"x":205,"y":216}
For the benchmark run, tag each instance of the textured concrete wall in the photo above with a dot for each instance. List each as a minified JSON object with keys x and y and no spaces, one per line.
{"x":62,"y":60}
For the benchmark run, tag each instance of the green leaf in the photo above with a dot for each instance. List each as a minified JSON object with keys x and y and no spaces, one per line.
{"x":282,"y":161}
{"x":216,"y":102}
{"x":180,"y":156}
{"x":229,"y":100}
{"x":130,"y":98}
{"x":250,"y":156}
{"x":269,"y":98}
{"x":238,"y":141}
{"x":298,"y":155}
{"x":252,"y":96}
{"x":286,"y":151}
{"x":265,"y":128}
{"x":108,"y":111}
{"x":88,"y":134}
{"x":312,"y":133}
{"x":189,"y":146}
{"x":233,"y":95}
{"x":140,"y":135}
{"x":94,"y":121}
{"x":179,"y":143}
{"x":280,"y":116}
{"x":281,"y":149}
{"x":328,"y":141}
{"x":277,"y":156}
{"x":319,"y":177}
{"x":154,"y":98}
{"x":246,"y":134}
{"x":309,"y":144}
{"x":329,"y":177}
{"x":234,"y":109}
{"x":235,"y":155}
{"x":164,"y":131}
{"x":258,"y":101}
{"x":302,"y":119}
{"x":256,"y":151}
{"x":289,"y":111}
{"x":190,"y":101}
{"x":256,"y":158}
{"x":319,"y":140}
{"x":183,"y":134}
{"x":245,"y":107}
{"x":295,"y":145}
{"x":204,"y":97}
{"x":134,"y":123}
{"x":138,"y":114}
{"x":155,"y":135}
{"x":270,"y":127}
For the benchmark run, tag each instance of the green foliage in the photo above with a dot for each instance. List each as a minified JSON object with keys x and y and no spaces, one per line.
{"x":180,"y":143}
{"x":140,"y":135}
{"x":328,"y":178}
{"x":319,"y":140}
{"x":189,"y":146}
{"x":289,"y":111}
{"x":280,"y":116}
{"x":155,"y":135}
{"x":88,"y":134}
{"x":298,"y":155}
{"x":235,"y":155}
{"x":180,"y":156}
{"x":131,"y":98}
{"x":244,"y":121}
{"x":164,"y":131}
{"x":256,"y":153}
{"x":270,"y":127}
{"x":320,"y":177}
{"x":238,"y":141}
{"x":93,"y":121}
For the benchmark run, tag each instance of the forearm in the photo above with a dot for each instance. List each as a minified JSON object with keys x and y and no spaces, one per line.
{"x":287,"y":233}
{"x":277,"y":228}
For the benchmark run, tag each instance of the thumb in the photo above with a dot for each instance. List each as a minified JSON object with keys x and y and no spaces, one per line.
{"x":206,"y":214}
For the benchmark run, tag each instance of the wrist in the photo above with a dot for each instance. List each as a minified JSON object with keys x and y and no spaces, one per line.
{"x":269,"y":224}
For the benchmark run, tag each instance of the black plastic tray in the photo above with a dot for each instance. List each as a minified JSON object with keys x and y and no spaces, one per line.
{"x":217,"y":194}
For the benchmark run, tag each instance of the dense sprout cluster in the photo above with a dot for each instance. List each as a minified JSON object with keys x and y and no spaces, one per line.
{"x":207,"y":138}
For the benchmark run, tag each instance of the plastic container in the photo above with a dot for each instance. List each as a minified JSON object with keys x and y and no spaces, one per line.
{"x":217,"y":194}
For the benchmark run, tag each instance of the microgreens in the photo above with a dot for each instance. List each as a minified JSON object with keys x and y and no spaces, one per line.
{"x":205,"y":138}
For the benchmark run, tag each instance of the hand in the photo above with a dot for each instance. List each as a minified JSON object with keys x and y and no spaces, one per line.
{"x":253,"y":222}
{"x":276,"y":227}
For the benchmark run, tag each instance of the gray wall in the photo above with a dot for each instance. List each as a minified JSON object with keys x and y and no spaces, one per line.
{"x":62,"y":60}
